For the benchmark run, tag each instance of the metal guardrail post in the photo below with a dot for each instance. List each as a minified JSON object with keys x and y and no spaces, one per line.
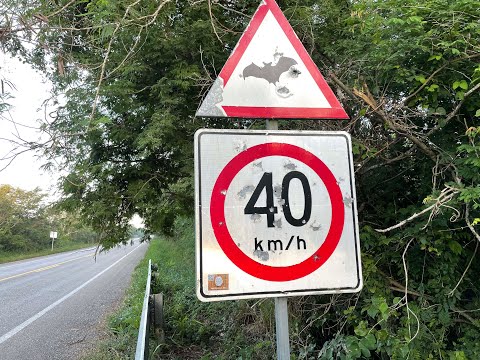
{"x":143,"y":333}
{"x":152,"y":312}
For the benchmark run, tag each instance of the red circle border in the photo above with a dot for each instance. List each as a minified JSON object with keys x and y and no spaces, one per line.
{"x":224,"y":238}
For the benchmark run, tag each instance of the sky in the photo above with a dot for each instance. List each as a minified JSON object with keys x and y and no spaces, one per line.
{"x":31,"y":89}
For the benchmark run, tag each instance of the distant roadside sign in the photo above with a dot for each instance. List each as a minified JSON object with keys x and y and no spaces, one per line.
{"x":276,"y":214}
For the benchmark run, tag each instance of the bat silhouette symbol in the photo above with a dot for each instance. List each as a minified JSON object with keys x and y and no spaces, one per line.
{"x":267,"y":71}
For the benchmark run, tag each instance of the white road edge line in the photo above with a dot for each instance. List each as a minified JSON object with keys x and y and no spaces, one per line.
{"x":23,"y":325}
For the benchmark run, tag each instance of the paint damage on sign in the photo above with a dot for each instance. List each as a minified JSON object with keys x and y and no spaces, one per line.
{"x":348,"y":201}
{"x":270,"y":71}
{"x":315,"y":227}
{"x":290,"y":166}
{"x":262,"y":255}
{"x":240,"y":146}
{"x":215,"y":96}
{"x":256,"y":218}
{"x":257,"y":167}
{"x":278,"y":223}
{"x":242,"y":194}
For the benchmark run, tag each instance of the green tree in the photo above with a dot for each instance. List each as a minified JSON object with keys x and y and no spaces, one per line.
{"x":22,"y":222}
{"x":26,"y":221}
{"x":70,"y":226}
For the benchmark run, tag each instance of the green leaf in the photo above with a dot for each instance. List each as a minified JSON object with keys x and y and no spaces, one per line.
{"x":458,"y":355}
{"x":107,"y":31}
{"x":396,"y":21}
{"x":455,"y":51}
{"x":382,"y":335}
{"x":420,"y":78}
{"x":354,"y":351}
{"x":364,"y":350}
{"x":361,"y":329}
{"x":455,"y":247}
{"x":383,"y":307}
{"x":440,"y":111}
{"x":477,"y":114}
{"x":435,"y":57}
{"x":102,"y":120}
{"x":369,"y":341}
{"x":404,"y":350}
{"x":476,"y":73}
{"x":432,"y":88}
{"x":372,"y":311}
{"x":413,"y":19}
{"x":460,"y":84}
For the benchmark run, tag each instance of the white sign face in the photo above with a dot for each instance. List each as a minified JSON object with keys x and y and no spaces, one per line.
{"x":275,"y":214}
{"x":53,"y":234}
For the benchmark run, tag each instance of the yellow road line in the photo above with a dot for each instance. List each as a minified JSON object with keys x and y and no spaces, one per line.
{"x":43,"y":268}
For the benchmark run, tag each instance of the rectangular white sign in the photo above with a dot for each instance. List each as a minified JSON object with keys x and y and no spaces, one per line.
{"x":275,"y":214}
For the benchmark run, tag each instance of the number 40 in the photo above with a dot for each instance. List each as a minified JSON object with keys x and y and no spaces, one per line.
{"x":270,"y":210}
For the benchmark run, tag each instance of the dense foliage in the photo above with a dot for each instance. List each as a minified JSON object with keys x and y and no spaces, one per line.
{"x":26,"y":221}
{"x":408,"y":73}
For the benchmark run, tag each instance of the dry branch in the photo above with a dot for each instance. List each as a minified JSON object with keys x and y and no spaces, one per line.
{"x":446,"y":195}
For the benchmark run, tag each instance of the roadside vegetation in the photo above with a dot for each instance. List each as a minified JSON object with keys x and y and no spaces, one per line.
{"x":26,"y":221}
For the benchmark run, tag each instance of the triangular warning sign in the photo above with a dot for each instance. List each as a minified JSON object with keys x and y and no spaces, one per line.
{"x":271,"y":75}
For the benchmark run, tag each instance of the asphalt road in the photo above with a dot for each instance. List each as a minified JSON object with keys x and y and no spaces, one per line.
{"x":53,"y":307}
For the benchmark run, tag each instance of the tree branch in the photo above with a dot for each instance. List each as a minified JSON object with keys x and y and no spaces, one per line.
{"x":445,"y":196}
{"x":401,"y":130}
{"x":465,"y":272}
{"x":370,"y":101}
{"x":425,"y":83}
{"x":470,"y":226}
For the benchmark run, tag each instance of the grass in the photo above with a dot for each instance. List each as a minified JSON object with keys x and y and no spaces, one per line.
{"x":9,"y":257}
{"x":194,"y":330}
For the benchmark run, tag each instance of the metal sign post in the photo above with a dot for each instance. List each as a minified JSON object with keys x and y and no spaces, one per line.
{"x":53,"y":236}
{"x":282,"y":331}
{"x":281,"y":328}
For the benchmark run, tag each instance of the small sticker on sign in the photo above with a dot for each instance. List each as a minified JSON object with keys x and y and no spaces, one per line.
{"x":218,"y":282}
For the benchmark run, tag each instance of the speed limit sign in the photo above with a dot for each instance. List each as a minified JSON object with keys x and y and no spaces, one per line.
{"x":275,"y":214}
